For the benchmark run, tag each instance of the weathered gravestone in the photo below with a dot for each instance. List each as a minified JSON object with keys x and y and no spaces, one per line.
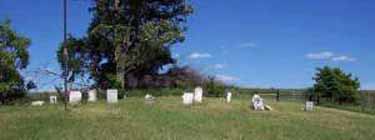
{"x":75,"y":97}
{"x":53,"y":99}
{"x":187,"y":98}
{"x":229,"y":97}
{"x":92,"y":96}
{"x":112,"y":96}
{"x":198,"y":93}
{"x":257,"y":102}
{"x":309,"y":106}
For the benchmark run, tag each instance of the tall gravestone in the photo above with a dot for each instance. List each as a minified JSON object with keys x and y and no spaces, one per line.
{"x":187,"y":98}
{"x":229,"y":97}
{"x":112,"y":96}
{"x":53,"y":99}
{"x":198,"y":93}
{"x":309,"y":106}
{"x":92,"y":96}
{"x":75,"y":97}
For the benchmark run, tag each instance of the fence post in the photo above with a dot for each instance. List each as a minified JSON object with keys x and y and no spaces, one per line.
{"x":278,"y":95}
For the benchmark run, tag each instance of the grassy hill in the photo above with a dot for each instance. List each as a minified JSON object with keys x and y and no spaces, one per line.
{"x":169,"y":119}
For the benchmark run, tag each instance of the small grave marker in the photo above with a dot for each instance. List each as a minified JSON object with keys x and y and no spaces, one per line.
{"x":187,"y":98}
{"x":149,"y":99}
{"x":92,"y":96}
{"x":309,"y":106}
{"x":112,"y":96}
{"x":37,"y":103}
{"x":53,"y":99}
{"x":75,"y":97}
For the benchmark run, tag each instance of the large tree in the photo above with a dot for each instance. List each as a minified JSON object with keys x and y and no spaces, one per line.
{"x":13,"y":57}
{"x":336,"y":85}
{"x":129,"y":39}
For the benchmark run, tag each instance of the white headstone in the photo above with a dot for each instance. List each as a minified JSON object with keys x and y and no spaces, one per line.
{"x":229,"y":97}
{"x":53,"y":99}
{"x":309,"y":106}
{"x":187,"y":98}
{"x":112,"y":96}
{"x":75,"y":97}
{"x":92,"y":96}
{"x":37,"y":103}
{"x":257,"y":102}
{"x":198,"y":93}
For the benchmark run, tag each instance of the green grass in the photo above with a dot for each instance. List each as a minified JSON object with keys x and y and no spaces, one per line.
{"x":169,"y":119}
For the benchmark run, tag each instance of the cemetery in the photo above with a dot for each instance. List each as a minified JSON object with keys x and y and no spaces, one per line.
{"x":156,"y":70}
{"x":170,"y":118}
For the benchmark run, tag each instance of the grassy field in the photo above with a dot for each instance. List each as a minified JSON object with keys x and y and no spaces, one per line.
{"x":169,"y":119}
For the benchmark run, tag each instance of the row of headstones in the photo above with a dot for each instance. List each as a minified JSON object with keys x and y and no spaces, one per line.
{"x":76,"y":96}
{"x":189,"y":98}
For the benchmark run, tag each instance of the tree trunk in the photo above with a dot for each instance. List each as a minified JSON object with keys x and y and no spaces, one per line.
{"x":120,"y":67}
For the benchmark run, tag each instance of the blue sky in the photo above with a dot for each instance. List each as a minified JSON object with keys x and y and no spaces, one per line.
{"x":253,"y":43}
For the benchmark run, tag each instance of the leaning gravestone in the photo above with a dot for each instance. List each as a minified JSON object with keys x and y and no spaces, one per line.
{"x":229,"y":97}
{"x":92,"y":96}
{"x":257,"y":102}
{"x":112,"y":96}
{"x":309,"y":106}
{"x":187,"y":98}
{"x":53,"y":99}
{"x":198,"y":93}
{"x":75,"y":97}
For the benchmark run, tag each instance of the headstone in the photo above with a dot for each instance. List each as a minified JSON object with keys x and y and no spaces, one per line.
{"x":37,"y":103}
{"x":149,"y":99}
{"x":187,"y":98}
{"x":112,"y":96}
{"x":257,"y":102}
{"x":92,"y":96}
{"x":229,"y":97}
{"x":198,"y":93}
{"x":53,"y":99}
{"x":75,"y":97}
{"x":309,"y":106}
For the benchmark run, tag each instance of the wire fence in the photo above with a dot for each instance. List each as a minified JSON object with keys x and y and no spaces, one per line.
{"x":365,"y":102}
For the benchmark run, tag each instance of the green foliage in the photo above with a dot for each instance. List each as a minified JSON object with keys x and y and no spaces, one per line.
{"x":127,"y":40}
{"x":336,"y":85}
{"x":13,"y":57}
{"x":214,"y":88}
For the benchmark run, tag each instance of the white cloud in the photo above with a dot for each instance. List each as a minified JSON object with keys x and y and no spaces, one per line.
{"x":226,"y":78}
{"x":343,"y":58}
{"x":248,"y":45}
{"x":320,"y":55}
{"x":329,"y":56}
{"x":218,"y":66}
{"x":197,"y":55}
